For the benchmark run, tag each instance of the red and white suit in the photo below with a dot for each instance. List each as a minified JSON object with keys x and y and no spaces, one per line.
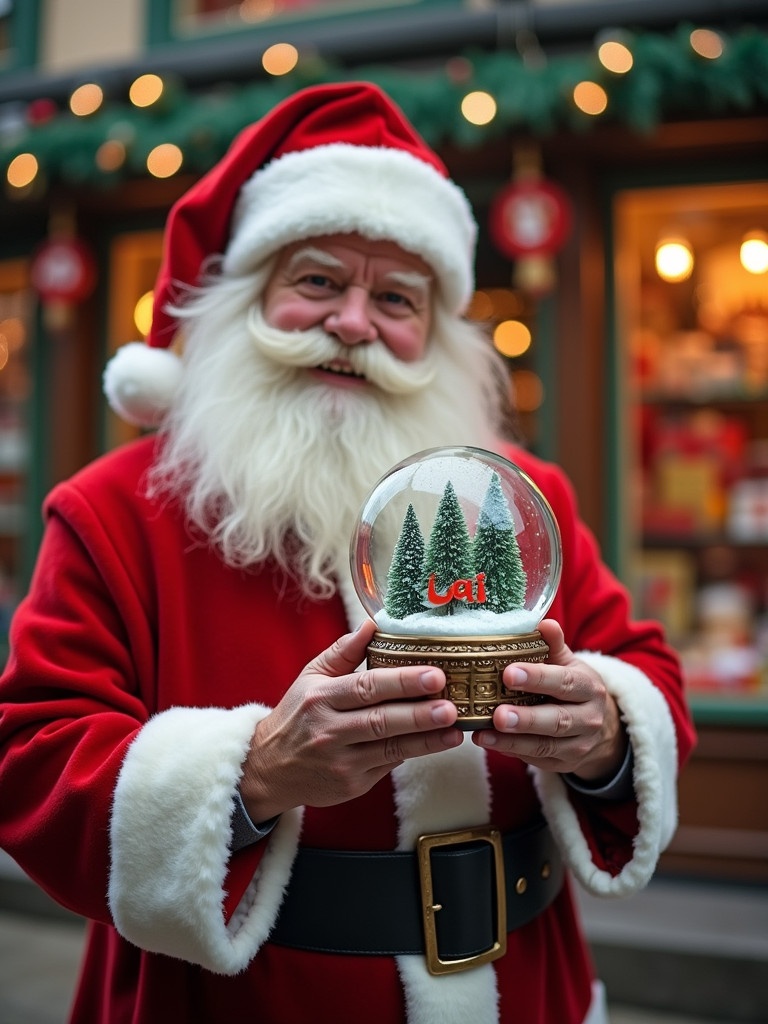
{"x":140,"y":665}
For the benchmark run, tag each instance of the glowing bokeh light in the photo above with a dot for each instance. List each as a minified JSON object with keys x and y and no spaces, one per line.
{"x":512,"y":338}
{"x":146,"y":90}
{"x":754,"y":252}
{"x":674,"y":260}
{"x":706,"y":43}
{"x":479,"y":107}
{"x":164,"y":160}
{"x":22,"y":170}
{"x":590,"y":98}
{"x":615,"y":57}
{"x":142,"y":313}
{"x":280,"y":59}
{"x":86,"y":99}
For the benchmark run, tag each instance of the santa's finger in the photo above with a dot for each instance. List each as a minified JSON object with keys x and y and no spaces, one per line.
{"x":384,"y":685}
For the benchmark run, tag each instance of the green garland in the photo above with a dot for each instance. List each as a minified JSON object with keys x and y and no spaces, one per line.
{"x":668,"y":81}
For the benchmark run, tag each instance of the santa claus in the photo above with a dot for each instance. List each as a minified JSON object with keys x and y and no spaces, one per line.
{"x":190,"y":754}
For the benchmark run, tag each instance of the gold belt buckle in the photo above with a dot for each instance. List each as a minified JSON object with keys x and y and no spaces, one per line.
{"x":424,"y":846}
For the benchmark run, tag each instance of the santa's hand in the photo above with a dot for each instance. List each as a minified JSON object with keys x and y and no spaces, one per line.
{"x":337,"y":732}
{"x":578,"y":730}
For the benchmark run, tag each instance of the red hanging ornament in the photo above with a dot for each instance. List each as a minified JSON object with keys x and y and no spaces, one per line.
{"x":530,"y":220}
{"x":530,"y":217}
{"x":63,"y":270}
{"x":41,"y":110}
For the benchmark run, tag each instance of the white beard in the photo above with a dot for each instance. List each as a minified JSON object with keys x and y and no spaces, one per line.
{"x":270,"y":462}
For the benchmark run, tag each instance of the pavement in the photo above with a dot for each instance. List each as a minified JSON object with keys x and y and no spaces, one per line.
{"x":678,"y":953}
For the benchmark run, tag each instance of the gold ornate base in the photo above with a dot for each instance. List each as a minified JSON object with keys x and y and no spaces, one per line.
{"x":473,"y":667}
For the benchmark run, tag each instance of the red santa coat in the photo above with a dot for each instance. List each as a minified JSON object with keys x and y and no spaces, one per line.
{"x":140,"y":665}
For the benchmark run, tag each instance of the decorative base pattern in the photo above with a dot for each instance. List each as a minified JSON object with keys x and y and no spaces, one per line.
{"x":473,"y":667}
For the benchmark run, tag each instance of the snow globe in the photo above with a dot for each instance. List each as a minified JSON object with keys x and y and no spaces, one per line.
{"x":456,"y":556}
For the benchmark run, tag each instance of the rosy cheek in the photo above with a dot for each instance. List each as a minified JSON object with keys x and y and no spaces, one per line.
{"x":288,"y":315}
{"x":408,"y":344}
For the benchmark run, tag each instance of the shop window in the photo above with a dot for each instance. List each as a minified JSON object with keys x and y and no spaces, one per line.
{"x":694,"y":333}
{"x":16,"y":307}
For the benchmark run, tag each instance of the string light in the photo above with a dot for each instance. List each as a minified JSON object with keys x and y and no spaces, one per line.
{"x":146,"y":90}
{"x":110,"y":155}
{"x":663,"y":68}
{"x":674,"y":259}
{"x":615,"y":56}
{"x":754,"y":252}
{"x":479,"y":107}
{"x":164,"y":160}
{"x":86,"y":99}
{"x":280,"y":59}
{"x":481,"y":307}
{"x":590,"y":98}
{"x":22,"y":170}
{"x":142,"y":313}
{"x":706,"y":43}
{"x":527,"y":391}
{"x":512,"y":338}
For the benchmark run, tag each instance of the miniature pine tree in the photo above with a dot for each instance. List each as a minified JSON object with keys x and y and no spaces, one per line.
{"x":497,"y":554}
{"x":449,"y":551}
{"x":404,"y":596}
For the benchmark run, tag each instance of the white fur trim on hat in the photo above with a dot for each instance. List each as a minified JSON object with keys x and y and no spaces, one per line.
{"x":651,"y":732}
{"x":141,"y":382}
{"x":377,"y":192}
{"x":170,"y":834}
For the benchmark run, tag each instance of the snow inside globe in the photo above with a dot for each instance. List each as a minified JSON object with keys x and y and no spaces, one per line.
{"x":456,"y":556}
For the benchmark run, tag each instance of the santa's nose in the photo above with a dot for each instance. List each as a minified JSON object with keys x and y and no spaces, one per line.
{"x":350,"y":320}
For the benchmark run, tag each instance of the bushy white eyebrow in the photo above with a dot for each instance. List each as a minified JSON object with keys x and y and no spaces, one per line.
{"x":403,"y":278}
{"x":410,"y":279}
{"x":325,"y":259}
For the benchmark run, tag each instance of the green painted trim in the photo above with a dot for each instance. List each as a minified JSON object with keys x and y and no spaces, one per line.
{"x":157,"y":17}
{"x":101,"y":249}
{"x":24,"y":22}
{"x":614,"y":496}
{"x":544,"y":365}
{"x":742,"y":711}
{"x":160,"y":13}
{"x":39,"y":471}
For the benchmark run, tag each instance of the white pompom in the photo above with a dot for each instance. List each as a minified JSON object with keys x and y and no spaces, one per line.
{"x":140,"y":383}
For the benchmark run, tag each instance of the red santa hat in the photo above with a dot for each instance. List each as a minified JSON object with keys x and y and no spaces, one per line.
{"x":331,"y":159}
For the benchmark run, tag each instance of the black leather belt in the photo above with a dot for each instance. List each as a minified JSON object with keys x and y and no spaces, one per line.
{"x":453,"y":899}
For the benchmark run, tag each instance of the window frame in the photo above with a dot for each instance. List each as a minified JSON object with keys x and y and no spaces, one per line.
{"x":160,"y":18}
{"x":23,"y":50}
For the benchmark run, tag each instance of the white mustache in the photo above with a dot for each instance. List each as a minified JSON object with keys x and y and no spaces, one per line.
{"x":312,"y":348}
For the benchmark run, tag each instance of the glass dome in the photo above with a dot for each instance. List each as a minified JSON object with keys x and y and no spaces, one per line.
{"x":456,"y":542}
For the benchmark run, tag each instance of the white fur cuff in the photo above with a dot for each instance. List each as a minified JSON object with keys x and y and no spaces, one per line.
{"x":170,"y":835}
{"x":654,"y":744}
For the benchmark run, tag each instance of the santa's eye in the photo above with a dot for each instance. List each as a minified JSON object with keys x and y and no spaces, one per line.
{"x":317,"y":280}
